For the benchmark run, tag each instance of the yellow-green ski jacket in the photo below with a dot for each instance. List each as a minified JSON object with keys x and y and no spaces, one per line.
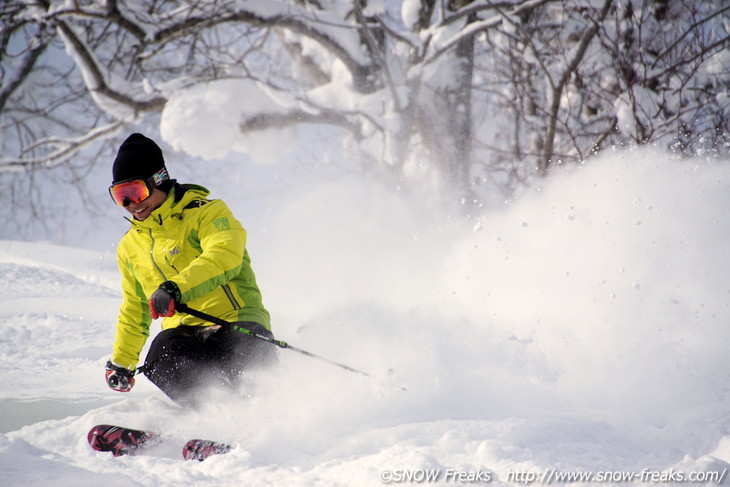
{"x":199,"y":245}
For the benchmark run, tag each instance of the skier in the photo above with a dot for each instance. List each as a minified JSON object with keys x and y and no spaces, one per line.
{"x":181,"y":248}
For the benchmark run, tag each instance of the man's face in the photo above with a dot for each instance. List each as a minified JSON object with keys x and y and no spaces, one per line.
{"x":140,"y":211}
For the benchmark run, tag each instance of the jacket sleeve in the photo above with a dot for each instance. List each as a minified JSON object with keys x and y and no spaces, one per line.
{"x":222,"y":242}
{"x":133,"y":324}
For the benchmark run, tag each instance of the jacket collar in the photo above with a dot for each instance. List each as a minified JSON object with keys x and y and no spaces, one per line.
{"x":177,"y":199}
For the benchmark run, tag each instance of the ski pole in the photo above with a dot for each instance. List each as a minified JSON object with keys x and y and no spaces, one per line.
{"x":279,"y":343}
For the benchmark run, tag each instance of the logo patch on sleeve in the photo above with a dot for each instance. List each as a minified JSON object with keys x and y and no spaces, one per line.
{"x":222,"y":223}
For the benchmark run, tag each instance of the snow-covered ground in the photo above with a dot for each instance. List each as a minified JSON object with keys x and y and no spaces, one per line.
{"x":581,"y":328}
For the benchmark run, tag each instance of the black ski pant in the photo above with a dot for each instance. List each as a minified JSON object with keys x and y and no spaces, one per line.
{"x":182,"y":360}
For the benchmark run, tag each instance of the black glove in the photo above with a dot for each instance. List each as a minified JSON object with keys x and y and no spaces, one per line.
{"x":119,"y":378}
{"x":163,"y":300}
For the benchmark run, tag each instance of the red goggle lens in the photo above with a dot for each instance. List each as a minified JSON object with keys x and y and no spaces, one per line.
{"x":130,"y":191}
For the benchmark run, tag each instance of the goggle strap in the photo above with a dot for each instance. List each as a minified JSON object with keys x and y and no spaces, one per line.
{"x":160,"y":176}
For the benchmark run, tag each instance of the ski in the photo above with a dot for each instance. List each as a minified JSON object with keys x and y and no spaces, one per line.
{"x":126,"y":441}
{"x":202,"y":449}
{"x":120,"y":441}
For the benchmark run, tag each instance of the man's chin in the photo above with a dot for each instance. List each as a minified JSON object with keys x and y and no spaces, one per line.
{"x":141,"y":215}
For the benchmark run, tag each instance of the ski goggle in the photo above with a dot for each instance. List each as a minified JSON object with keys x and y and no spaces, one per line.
{"x":136,"y":190}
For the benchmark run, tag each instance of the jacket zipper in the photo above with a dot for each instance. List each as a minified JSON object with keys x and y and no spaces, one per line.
{"x":152,"y":257}
{"x":231,"y":298}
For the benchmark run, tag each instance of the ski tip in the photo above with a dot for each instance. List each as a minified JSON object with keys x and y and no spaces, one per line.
{"x":93,"y":435}
{"x":102,"y":437}
{"x":118,"y":440}
{"x":202,"y":449}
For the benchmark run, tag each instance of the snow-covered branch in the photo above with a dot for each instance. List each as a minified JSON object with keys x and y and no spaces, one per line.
{"x":479,"y":26}
{"x":61,"y":149}
{"x":264,"y":121}
{"x":124,"y":105}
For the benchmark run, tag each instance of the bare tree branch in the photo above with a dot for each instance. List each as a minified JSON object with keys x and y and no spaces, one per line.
{"x":558,"y":88}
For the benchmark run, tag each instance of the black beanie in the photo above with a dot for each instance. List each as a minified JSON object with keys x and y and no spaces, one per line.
{"x":138,"y":157}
